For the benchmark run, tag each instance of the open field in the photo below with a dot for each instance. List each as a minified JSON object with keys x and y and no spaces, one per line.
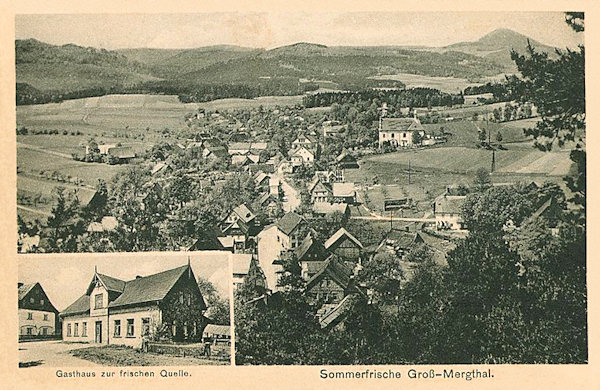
{"x":34,"y":161}
{"x":445,"y":84}
{"x":467,"y":160}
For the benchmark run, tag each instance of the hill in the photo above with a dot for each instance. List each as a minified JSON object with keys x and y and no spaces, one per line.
{"x":496,"y":46}
{"x":69,"y":70}
{"x":52,"y":73}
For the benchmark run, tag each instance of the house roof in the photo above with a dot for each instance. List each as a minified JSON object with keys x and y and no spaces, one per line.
{"x":400,"y":124}
{"x":298,"y":151}
{"x":244,"y":213}
{"x":112,"y":284}
{"x":289,"y":222}
{"x":260,"y":177}
{"x":345,"y":156}
{"x":310,"y":244}
{"x":24,"y":290}
{"x":264,"y":197}
{"x":81,"y":305}
{"x":336,"y":314}
{"x":449,"y":204}
{"x":241,"y":263}
{"x":340,"y":235}
{"x":149,"y":288}
{"x":320,"y":186}
{"x":335,"y":269}
{"x":343,"y":189}
{"x":217,"y":329}
{"x":329,"y":208}
{"x":122,"y":152}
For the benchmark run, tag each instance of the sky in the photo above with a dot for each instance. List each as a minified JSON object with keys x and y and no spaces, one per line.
{"x":268,"y":30}
{"x":65,"y":277}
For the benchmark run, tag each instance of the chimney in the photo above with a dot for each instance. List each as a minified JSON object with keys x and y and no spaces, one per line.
{"x":138,"y":277}
{"x":19,"y":284}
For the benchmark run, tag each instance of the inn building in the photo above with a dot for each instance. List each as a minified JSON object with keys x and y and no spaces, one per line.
{"x":166,"y":305}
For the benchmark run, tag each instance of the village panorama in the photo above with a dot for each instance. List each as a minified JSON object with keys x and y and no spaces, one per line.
{"x":380,"y":204}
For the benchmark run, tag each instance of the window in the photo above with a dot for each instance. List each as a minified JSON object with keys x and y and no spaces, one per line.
{"x":30,"y":316}
{"x":145,"y":326}
{"x":69,"y":330}
{"x":41,"y":302}
{"x":76,"y":331}
{"x":181,"y":297}
{"x":45,"y":331}
{"x":84,"y":330}
{"x":189,"y":299}
{"x":31,"y":300}
{"x":117,"y":328}
{"x":29,"y":331}
{"x":130,"y":328}
{"x":45,"y":317}
{"x":98,"y":301}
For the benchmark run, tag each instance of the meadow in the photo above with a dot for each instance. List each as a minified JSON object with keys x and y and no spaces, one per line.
{"x":444,"y":84}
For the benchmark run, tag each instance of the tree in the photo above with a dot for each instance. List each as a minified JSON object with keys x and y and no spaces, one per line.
{"x":417,"y":138}
{"x":65,"y":225}
{"x":383,"y":274}
{"x":482,"y":135}
{"x":499,"y":137}
{"x":482,"y":179}
{"x":218,"y":307}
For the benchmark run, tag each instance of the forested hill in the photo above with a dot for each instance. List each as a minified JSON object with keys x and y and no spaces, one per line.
{"x":48,"y":73}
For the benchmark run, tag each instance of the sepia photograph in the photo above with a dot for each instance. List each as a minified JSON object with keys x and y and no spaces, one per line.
{"x":391,"y":187}
{"x":134,"y":309}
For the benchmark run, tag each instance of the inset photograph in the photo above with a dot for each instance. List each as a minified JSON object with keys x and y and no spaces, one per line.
{"x":135,"y":309}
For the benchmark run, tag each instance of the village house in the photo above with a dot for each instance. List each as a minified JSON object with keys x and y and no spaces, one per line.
{"x":399,"y":131}
{"x":326,"y":208}
{"x":247,"y":147}
{"x":238,"y":228}
{"x":311,"y":255}
{"x":281,"y":236}
{"x":307,"y":141}
{"x":167,"y":305}
{"x":346,"y":161}
{"x":343,"y":244}
{"x":302,"y":156}
{"x":344,"y":192}
{"x":212,"y":151}
{"x":319,"y":192}
{"x":247,"y":271}
{"x":37,"y":315}
{"x":332,"y":129}
{"x":447,"y":210}
{"x":217,"y":334}
{"x":269,"y":204}
{"x":261,"y":181}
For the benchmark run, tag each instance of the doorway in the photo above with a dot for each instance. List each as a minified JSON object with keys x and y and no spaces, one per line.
{"x":98,"y":338}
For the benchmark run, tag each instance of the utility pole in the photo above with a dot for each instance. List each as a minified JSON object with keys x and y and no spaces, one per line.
{"x":408,"y":171}
{"x":493,"y":160}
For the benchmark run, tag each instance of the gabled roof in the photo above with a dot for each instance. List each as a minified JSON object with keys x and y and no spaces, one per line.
{"x":289,"y":222}
{"x":80,"y":306}
{"x":321,"y":187}
{"x":330,"y":208}
{"x":217,"y":329}
{"x":336,"y":270}
{"x":400,"y":124}
{"x":340,"y":235}
{"x":121,"y":152}
{"x":345,"y":156}
{"x":111,"y":284}
{"x":241,"y":263}
{"x":149,"y":288}
{"x":343,"y":189}
{"x":297,"y":152}
{"x":24,"y":290}
{"x":260,"y":177}
{"x":244,"y":213}
{"x":449,"y":204}
{"x":337,"y":313}
{"x":264,"y":198}
{"x":310,"y":244}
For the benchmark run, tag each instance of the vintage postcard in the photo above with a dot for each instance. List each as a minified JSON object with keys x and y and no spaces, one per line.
{"x":336,"y":197}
